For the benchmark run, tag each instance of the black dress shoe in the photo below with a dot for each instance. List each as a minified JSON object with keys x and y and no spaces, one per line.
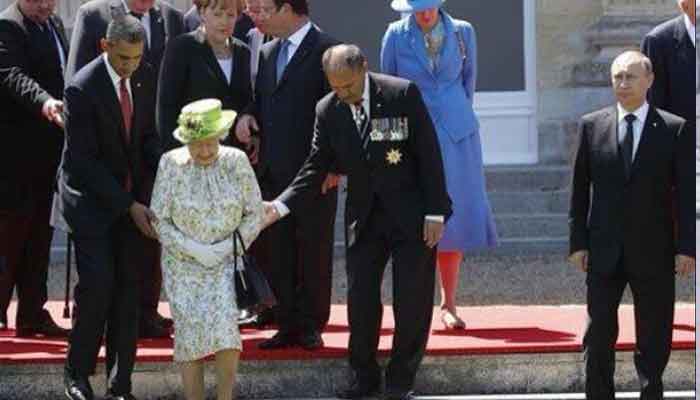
{"x":358,"y":390}
{"x":264,"y":319}
{"x":311,"y":341}
{"x":45,"y":326}
{"x":151,"y":328}
{"x":166,"y":323}
{"x":78,"y":389}
{"x":281,"y":340}
{"x":398,"y":396}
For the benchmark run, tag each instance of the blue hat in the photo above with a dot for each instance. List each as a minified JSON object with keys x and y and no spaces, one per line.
{"x":415,"y":5}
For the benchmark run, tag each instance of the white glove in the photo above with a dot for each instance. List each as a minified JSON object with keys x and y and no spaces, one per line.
{"x":204,"y":254}
{"x":223,"y":249}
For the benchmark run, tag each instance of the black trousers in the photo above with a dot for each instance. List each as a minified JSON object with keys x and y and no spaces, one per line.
{"x":151,"y":277}
{"x":653,"y":311}
{"x":25,"y":247}
{"x":296,"y":254}
{"x":413,"y":274}
{"x":151,"y":273}
{"x":107,"y":298}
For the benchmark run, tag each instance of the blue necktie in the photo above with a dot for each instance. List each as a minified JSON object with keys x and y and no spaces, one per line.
{"x":282,"y":58}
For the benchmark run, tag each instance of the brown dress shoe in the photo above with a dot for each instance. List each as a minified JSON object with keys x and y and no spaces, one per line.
{"x":45,"y":326}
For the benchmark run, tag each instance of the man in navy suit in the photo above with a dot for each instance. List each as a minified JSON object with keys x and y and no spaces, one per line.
{"x":111,"y":150}
{"x":161,"y":23}
{"x":376,"y":129}
{"x":297,"y":254}
{"x":672,"y":50}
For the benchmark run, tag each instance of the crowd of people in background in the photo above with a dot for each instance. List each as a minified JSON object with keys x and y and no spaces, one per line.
{"x":153,"y":137}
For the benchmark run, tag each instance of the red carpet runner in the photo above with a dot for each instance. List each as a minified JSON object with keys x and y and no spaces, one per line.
{"x":491,"y":330}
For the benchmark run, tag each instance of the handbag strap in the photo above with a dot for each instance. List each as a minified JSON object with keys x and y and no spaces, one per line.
{"x":237,"y":238}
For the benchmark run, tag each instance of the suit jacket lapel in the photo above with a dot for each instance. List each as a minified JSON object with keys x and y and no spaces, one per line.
{"x":302,"y":52}
{"x":651,"y":126}
{"x":418,"y":43}
{"x":684,"y":46}
{"x":609,"y":146}
{"x":157,"y":32}
{"x":111,"y":101}
{"x":61,"y":32}
{"x":209,"y":56}
{"x":450,"y":45}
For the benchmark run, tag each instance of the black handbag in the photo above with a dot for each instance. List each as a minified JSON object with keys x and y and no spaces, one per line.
{"x":253,"y":293}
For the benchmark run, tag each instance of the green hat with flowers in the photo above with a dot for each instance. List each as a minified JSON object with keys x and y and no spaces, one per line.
{"x":203,"y":119}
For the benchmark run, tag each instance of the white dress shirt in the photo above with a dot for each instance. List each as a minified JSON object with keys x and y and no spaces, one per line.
{"x":690,"y":27}
{"x":256,"y":39}
{"x":295,"y":40}
{"x":145,"y":22}
{"x":282,"y":208}
{"x":638,"y":124}
{"x":365,"y":103}
{"x":226,"y":67}
{"x":116,"y":79}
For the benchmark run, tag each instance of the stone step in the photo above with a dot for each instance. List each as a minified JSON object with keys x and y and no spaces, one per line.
{"x":523,"y":226}
{"x":527,"y":178}
{"x":526,"y":202}
{"x":318,"y":378}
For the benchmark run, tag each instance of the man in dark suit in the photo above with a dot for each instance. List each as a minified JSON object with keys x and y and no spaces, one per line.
{"x":297,"y":254}
{"x":33,"y":50}
{"x":161,"y":22}
{"x":376,"y":129}
{"x":672,"y":50}
{"x":629,"y":158}
{"x":111,"y":149}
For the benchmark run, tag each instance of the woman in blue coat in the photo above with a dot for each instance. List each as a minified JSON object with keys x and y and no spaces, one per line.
{"x":438,"y":53}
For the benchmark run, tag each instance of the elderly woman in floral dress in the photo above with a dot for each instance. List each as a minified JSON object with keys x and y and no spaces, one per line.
{"x":203,"y":193}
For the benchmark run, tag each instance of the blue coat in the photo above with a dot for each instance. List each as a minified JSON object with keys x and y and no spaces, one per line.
{"x":448,"y":93}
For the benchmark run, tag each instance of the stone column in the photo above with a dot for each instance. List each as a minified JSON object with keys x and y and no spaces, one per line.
{"x":622,"y":27}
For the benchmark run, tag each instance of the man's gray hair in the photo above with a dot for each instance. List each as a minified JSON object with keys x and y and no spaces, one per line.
{"x":636,"y":56}
{"x":126,"y":28}
{"x":343,"y":57}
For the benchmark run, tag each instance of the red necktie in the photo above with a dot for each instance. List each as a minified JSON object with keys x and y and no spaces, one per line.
{"x":125,"y":103}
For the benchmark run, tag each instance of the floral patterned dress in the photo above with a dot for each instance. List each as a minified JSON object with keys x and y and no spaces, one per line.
{"x":204,"y":204}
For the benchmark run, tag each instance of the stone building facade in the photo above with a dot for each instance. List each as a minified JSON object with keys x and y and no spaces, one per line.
{"x":566,"y":48}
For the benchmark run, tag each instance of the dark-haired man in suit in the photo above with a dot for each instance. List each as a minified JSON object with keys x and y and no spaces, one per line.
{"x":33,"y":52}
{"x":297,"y":254}
{"x":629,"y":158}
{"x":377,"y":130}
{"x":111,"y":150}
{"x":161,"y":23}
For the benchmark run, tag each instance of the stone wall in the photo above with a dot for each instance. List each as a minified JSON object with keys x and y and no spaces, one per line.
{"x":577,"y":41}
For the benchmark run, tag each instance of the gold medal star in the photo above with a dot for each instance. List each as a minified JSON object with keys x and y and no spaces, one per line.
{"x":393,"y":156}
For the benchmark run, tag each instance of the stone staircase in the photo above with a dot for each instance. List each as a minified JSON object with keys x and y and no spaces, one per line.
{"x":530,"y":203}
